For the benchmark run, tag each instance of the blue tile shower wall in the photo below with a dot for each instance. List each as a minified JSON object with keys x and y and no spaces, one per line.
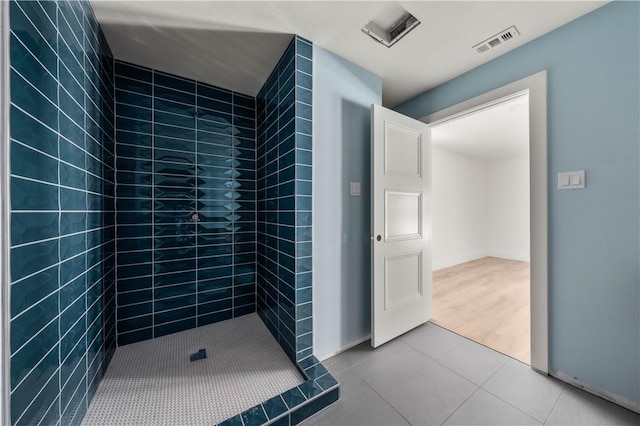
{"x":182,"y":147}
{"x":284,"y":149}
{"x":62,"y":210}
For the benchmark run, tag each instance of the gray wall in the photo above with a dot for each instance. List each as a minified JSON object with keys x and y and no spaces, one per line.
{"x":342,"y":97}
{"x":593,"y":68}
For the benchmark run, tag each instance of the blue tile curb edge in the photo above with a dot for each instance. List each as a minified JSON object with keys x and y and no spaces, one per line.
{"x":319,"y":390}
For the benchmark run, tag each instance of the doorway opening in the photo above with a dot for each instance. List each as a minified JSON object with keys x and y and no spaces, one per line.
{"x":536,"y":87}
{"x":481,"y":225}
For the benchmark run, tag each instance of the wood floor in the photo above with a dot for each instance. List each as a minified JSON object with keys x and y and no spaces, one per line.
{"x":486,"y":300}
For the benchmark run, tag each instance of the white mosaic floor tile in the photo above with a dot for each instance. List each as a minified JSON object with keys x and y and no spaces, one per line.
{"x":154,"y":383}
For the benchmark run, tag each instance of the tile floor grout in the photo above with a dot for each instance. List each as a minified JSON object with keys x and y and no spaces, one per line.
{"x":555,"y":404}
{"x":510,"y":387}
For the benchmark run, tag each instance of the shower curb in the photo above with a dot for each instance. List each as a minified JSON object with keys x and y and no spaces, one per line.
{"x":290,"y":408}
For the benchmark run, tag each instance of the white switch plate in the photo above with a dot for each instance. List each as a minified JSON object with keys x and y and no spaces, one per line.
{"x":355,"y":189}
{"x":571,"y":180}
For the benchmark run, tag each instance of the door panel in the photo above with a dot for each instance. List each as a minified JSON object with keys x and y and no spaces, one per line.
{"x":402,"y":279}
{"x":403,"y":216}
{"x":401,"y":224}
{"x":402,"y":146}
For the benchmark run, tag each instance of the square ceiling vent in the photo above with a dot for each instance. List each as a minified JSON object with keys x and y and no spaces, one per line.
{"x":390,"y":25}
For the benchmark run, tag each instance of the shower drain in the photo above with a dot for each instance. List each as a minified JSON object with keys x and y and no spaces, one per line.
{"x":201,"y":354}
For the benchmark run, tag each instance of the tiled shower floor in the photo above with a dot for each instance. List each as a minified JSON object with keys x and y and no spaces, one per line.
{"x":154,"y":383}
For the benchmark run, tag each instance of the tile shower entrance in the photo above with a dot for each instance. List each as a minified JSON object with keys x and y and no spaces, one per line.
{"x":154,"y":382}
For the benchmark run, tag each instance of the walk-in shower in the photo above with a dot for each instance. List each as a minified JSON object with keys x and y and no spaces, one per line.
{"x":157,"y":223}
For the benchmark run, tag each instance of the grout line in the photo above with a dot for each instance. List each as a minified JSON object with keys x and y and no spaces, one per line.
{"x":59,"y":275}
{"x":153,"y":205}
{"x":555,"y":405}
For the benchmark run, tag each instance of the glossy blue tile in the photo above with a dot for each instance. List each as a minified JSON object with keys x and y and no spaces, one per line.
{"x":30,"y":227}
{"x":233,"y":421}
{"x":205,"y":319}
{"x":327,"y":381}
{"x":33,"y":321}
{"x":72,"y":245}
{"x":174,"y":95}
{"x":142,"y":322}
{"x":32,"y":289}
{"x":175,"y":278}
{"x":125,"y":96}
{"x":27,"y":130}
{"x":71,"y":199}
{"x":214,"y":93}
{"x":78,"y":88}
{"x":33,"y":71}
{"x":132,"y":85}
{"x":254,"y":416}
{"x":293,"y":397}
{"x":134,"y":191}
{"x":130,"y":311}
{"x":175,"y":327}
{"x":307,"y":410}
{"x":28,"y":259}
{"x":187,"y":158}
{"x":175,"y":315}
{"x":134,"y":336}
{"x":135,"y":283}
{"x":30,"y":403}
{"x":27,"y":98}
{"x":310,"y":389}
{"x":72,"y":176}
{"x":134,"y":125}
{"x":41,"y":352}
{"x":135,"y":72}
{"x":174,"y":82}
{"x":72,"y":291}
{"x":34,"y":41}
{"x":136,"y":112}
{"x":304,"y":48}
{"x":133,"y":297}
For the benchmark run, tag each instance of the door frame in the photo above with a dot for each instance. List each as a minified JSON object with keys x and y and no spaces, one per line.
{"x":4,"y":214}
{"x":536,"y":86}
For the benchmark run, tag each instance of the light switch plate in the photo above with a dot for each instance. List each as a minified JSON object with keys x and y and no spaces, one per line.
{"x":571,"y":180}
{"x":355,"y":189}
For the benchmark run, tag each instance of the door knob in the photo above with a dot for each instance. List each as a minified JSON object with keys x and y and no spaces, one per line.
{"x":378,"y":238}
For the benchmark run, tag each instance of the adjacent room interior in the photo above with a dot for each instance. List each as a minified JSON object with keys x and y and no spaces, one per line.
{"x":481,"y":225}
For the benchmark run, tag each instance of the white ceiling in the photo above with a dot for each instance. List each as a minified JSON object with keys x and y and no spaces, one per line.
{"x":235,"y":44}
{"x":495,"y":133}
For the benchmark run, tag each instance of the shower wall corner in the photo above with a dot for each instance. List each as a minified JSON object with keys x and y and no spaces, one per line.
{"x":284,"y":170}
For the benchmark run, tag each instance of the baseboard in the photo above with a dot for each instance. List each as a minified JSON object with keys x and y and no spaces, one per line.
{"x":511,"y":256}
{"x":609,"y":396}
{"x":452,"y":261}
{"x":343,"y":349}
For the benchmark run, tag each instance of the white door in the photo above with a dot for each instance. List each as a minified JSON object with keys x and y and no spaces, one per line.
{"x":401,"y":224}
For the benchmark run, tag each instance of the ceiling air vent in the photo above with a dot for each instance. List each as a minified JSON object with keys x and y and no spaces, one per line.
{"x":496,"y":40}
{"x":390,"y":25}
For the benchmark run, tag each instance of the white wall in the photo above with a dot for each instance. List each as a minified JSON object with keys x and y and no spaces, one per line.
{"x":342,"y":97}
{"x":480,"y":208}
{"x":509,"y":208}
{"x":460,"y":208}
